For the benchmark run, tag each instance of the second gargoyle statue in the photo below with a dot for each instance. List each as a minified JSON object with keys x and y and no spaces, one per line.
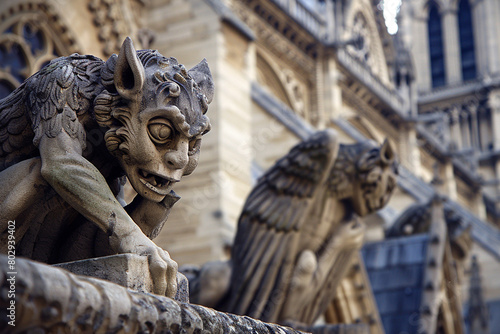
{"x":71,"y":132}
{"x":298,"y":232}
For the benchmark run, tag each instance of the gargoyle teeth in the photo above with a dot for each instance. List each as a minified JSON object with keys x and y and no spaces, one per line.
{"x":153,"y":180}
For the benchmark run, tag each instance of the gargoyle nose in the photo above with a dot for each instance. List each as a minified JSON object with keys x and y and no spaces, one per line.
{"x":178,"y":158}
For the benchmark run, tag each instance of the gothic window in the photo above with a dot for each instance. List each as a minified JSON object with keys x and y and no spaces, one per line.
{"x":25,"y":47}
{"x":466,"y":41}
{"x":436,"y":52}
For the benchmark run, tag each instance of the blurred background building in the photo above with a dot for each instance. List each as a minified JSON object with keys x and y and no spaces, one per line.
{"x":285,"y":68}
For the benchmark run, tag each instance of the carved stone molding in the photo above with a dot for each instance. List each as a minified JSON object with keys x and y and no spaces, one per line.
{"x":357,"y":97}
{"x":267,"y":36}
{"x":115,"y":21}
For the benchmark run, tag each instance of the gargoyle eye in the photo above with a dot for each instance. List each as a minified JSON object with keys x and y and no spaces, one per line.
{"x":160,"y":131}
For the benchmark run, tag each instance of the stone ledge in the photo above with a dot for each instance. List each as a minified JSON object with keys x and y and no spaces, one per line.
{"x":128,"y":270}
{"x":52,"y":300}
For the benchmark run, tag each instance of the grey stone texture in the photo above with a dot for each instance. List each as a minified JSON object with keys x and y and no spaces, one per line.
{"x":128,"y":270}
{"x":52,"y":300}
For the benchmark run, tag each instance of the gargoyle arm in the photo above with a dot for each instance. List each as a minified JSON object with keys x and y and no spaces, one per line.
{"x":81,"y":184}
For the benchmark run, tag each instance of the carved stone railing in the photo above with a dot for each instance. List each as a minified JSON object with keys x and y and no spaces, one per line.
{"x":307,"y":18}
{"x":43,"y":299}
{"x":359,"y":70}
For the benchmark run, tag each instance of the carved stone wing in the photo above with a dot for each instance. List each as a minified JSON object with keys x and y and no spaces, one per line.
{"x":15,"y":130}
{"x":45,"y":103}
{"x":265,"y":247}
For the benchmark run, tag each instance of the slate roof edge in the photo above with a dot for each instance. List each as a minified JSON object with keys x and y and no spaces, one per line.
{"x":415,"y":237}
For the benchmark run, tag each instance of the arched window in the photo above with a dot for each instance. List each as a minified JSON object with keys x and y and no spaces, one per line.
{"x":25,"y":47}
{"x":435,"y":32}
{"x":466,"y":41}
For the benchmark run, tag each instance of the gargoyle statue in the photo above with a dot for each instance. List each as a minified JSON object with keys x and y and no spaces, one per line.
{"x":71,"y":132}
{"x":298,"y":231}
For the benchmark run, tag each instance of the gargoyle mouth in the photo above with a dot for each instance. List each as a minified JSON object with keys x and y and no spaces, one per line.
{"x":156,"y":183}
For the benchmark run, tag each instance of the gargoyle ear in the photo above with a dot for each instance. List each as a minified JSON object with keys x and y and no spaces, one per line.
{"x":129,"y":73}
{"x":387,"y":155}
{"x":203,"y":77}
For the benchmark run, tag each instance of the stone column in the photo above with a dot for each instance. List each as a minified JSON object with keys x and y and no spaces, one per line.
{"x":490,"y":23}
{"x":449,"y":185}
{"x":433,"y":276}
{"x":480,"y":36}
{"x":331,"y":92}
{"x":456,"y":136}
{"x":449,"y":22}
{"x":494,"y":104}
{"x":472,"y":110}
{"x":409,"y":153}
{"x":420,"y":52}
{"x":464,"y":125}
{"x":479,"y":207}
{"x":495,"y":9}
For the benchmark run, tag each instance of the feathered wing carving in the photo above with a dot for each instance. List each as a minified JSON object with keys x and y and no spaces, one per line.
{"x":270,"y":226}
{"x":15,"y":130}
{"x":46,"y":103}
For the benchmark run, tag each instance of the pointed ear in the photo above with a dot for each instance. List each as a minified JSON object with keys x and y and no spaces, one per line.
{"x":387,"y":154}
{"x":129,"y":73}
{"x":203,"y":77}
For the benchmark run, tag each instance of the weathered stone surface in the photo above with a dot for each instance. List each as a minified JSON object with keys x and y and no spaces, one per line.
{"x":50,"y":300}
{"x":128,"y":270}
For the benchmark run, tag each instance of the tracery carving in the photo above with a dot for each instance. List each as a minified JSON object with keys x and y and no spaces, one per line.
{"x":368,"y":49}
{"x":296,"y":91}
{"x":285,"y":85}
{"x":361,"y":49}
{"x":30,"y":38}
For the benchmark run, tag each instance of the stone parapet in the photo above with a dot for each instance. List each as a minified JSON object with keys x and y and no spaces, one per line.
{"x":52,"y":300}
{"x":128,"y":270}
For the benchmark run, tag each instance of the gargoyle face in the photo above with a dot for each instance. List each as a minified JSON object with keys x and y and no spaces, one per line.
{"x":375,"y":180}
{"x":157,"y":139}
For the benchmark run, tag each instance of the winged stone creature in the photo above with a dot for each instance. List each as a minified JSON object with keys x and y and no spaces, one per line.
{"x":71,"y":133}
{"x":298,"y":231}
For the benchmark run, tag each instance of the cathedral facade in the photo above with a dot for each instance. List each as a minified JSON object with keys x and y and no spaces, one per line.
{"x":286,"y":68}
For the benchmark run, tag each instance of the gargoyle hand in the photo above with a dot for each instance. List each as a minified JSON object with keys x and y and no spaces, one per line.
{"x":162,"y":268}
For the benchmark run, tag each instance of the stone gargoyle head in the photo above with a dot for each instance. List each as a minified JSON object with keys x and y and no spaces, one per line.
{"x":364,"y":175}
{"x":154,"y":110}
